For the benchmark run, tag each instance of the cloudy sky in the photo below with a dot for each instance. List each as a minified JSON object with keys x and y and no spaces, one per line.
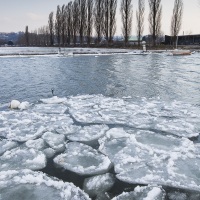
{"x":16,"y":14}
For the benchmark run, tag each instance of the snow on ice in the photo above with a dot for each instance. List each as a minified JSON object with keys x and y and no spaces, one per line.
{"x":147,"y":141}
{"x":82,"y":159}
{"x":143,"y":193}
{"x":98,"y":184}
{"x":31,"y":185}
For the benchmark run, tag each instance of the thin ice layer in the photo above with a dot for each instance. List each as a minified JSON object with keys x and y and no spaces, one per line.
{"x":83,"y":160}
{"x":29,"y":185}
{"x":22,"y":158}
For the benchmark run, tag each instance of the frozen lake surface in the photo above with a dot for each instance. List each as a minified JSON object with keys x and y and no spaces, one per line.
{"x":119,"y":126}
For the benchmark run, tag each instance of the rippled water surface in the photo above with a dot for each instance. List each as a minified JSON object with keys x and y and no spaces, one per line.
{"x":157,"y":75}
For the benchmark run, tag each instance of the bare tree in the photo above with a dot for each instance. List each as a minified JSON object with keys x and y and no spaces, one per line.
{"x":58,"y":25}
{"x":82,"y":19}
{"x":69,"y":21}
{"x":63,"y":24}
{"x":51,"y":28}
{"x":140,"y":19}
{"x":89,"y":24}
{"x":155,"y":15}
{"x":112,"y":19}
{"x":75,"y":20}
{"x":106,"y":18}
{"x":98,"y":19}
{"x":27,"y":36}
{"x":126,"y":14}
{"x":176,"y":19}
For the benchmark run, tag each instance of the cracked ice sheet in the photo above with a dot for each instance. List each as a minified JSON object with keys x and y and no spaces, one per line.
{"x":26,"y":125}
{"x":174,"y":118}
{"x":83,"y":160}
{"x":149,"y":158}
{"x":27,"y":184}
{"x":22,"y":158}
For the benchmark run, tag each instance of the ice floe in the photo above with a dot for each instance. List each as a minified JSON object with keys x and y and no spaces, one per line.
{"x":97,"y":185}
{"x":55,"y":141}
{"x":149,"y":158}
{"x":83,"y":160}
{"x":31,"y":185}
{"x":23,"y":126}
{"x":22,"y":158}
{"x":53,"y":100}
{"x":88,"y":134}
{"x":6,"y":145}
{"x":143,"y":193}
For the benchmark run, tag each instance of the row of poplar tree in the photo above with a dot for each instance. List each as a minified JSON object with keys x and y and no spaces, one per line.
{"x":81,"y":21}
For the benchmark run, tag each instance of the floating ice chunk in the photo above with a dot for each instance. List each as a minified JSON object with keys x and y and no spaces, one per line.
{"x":6,"y":145}
{"x":143,"y":193}
{"x":53,"y":100}
{"x":114,"y":141}
{"x":28,"y":125}
{"x":115,"y":133}
{"x":22,"y":158}
{"x":177,"y":127}
{"x":88,"y":134}
{"x":49,"y":152}
{"x":24,"y":105}
{"x":67,"y":129}
{"x":38,"y":144}
{"x":31,"y":185}
{"x":149,"y":158}
{"x":183,"y":196}
{"x":14,"y":104}
{"x":98,"y":184}
{"x":103,"y":196}
{"x":50,"y":108}
{"x":55,"y":141}
{"x":83,"y":160}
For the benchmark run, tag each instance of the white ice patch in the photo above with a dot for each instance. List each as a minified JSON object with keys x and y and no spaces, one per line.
{"x":50,"y":108}
{"x":83,"y":160}
{"x":31,"y":185}
{"x":88,"y":134}
{"x":98,"y":184}
{"x":55,"y":141}
{"x":53,"y":100}
{"x":143,"y":193}
{"x":37,"y":144}
{"x":24,"y":126}
{"x":22,"y":158}
{"x":6,"y":145}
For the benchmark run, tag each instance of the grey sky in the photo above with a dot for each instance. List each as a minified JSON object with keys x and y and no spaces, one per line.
{"x":16,"y":14}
